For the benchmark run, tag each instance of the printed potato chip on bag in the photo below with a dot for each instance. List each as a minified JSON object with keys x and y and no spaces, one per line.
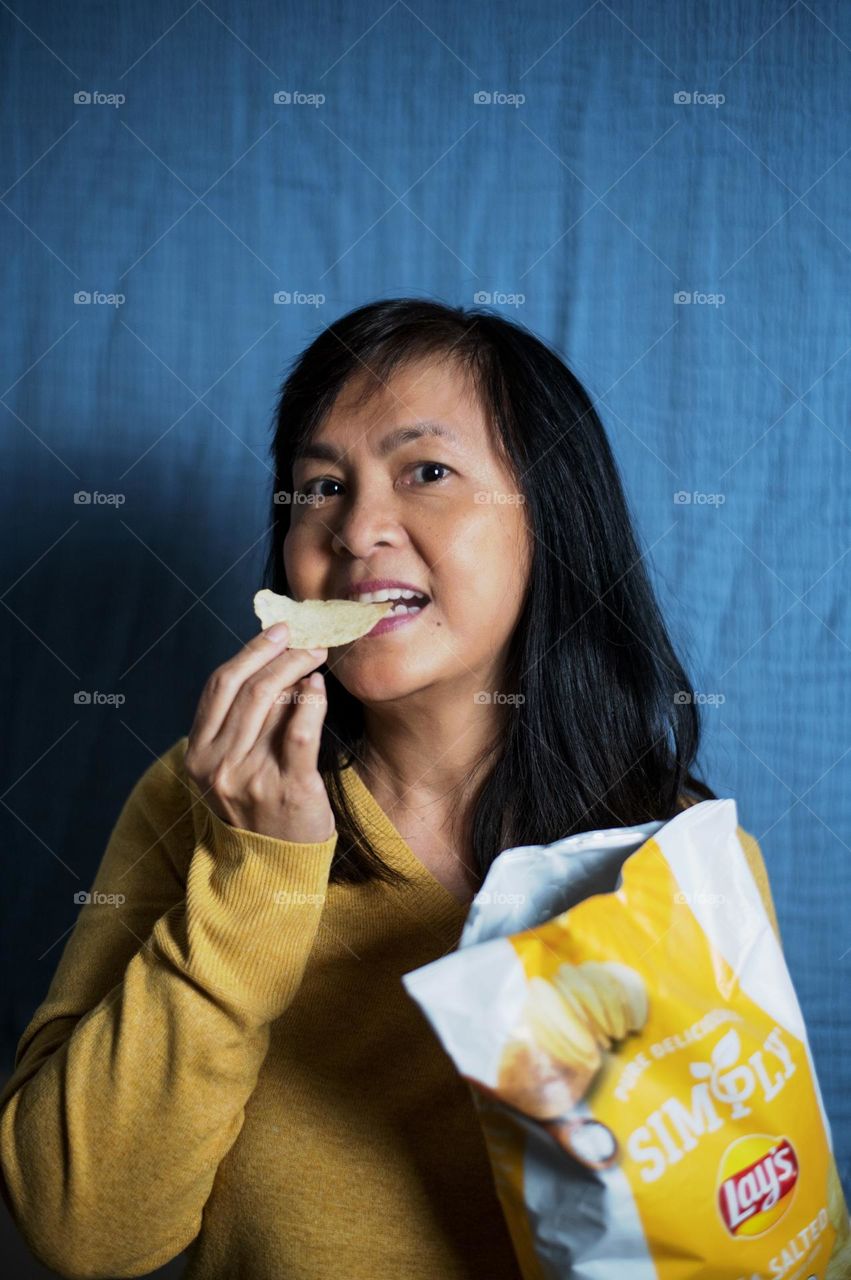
{"x":622,"y":1009}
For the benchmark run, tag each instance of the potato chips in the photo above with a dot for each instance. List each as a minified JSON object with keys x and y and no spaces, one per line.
{"x":622,"y":1009}
{"x":319,"y":624}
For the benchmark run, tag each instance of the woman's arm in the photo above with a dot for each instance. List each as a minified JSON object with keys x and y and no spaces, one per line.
{"x":131,"y":1080}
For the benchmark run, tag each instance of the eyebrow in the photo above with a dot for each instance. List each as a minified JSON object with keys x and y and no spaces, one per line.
{"x":393,"y":440}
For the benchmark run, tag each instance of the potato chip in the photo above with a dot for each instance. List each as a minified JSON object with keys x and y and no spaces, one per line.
{"x":319,"y":624}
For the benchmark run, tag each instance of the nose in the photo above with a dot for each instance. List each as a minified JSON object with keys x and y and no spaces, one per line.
{"x":364,"y":521}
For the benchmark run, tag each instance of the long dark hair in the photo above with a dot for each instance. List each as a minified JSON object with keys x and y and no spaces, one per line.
{"x":608,"y":731}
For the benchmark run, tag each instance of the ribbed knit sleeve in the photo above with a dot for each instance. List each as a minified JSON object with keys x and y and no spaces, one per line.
{"x":132,"y":1077}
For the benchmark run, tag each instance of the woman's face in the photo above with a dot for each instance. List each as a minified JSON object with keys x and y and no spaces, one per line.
{"x":440,"y":514}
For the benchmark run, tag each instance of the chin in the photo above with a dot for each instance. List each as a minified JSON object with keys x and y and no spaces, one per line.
{"x":371,"y":680}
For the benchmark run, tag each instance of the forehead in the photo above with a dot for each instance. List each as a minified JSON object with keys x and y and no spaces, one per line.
{"x":419,"y":391}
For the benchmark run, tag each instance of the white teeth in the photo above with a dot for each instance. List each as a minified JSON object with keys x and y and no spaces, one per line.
{"x":401,"y":608}
{"x":387,"y":593}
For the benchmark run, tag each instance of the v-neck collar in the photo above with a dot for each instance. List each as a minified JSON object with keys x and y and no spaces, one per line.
{"x":397,"y":850}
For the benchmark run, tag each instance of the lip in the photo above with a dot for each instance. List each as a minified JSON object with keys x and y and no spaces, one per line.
{"x":383,"y":584}
{"x":392,"y":623}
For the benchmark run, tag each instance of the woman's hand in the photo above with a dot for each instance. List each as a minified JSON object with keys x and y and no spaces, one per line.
{"x":250,"y":773}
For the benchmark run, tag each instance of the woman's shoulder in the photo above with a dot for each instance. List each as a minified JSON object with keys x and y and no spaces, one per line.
{"x":159,"y":813}
{"x":141,"y":875}
{"x":163,"y":782}
{"x":172,"y":759}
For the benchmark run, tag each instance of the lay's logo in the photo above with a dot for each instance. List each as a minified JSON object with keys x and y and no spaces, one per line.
{"x":756,"y":1178}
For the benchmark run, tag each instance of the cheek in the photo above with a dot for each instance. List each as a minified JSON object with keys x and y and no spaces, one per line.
{"x":481,"y":582}
{"x":290,"y":554}
{"x":489,"y":557}
{"x":302,"y":563}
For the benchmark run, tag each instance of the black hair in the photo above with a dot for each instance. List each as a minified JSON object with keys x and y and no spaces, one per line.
{"x":607,"y":733}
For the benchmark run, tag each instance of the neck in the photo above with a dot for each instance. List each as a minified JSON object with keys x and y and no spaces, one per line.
{"x":426,"y":758}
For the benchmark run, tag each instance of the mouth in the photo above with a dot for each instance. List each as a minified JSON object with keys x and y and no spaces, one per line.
{"x":406,"y":598}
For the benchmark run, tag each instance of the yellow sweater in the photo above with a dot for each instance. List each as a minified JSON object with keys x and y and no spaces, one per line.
{"x":229,"y":1057}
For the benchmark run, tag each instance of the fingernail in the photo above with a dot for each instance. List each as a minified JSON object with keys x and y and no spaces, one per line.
{"x":276,"y":633}
{"x":316,"y":653}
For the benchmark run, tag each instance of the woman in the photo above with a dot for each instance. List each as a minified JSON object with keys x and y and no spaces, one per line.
{"x":230,"y":1058}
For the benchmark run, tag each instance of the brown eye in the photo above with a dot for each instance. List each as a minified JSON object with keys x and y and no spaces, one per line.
{"x":432,"y":466}
{"x":320,"y":480}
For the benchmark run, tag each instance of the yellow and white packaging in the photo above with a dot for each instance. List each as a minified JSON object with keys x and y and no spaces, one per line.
{"x":622,"y":1008}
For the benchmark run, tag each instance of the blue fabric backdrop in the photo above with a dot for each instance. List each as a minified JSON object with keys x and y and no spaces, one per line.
{"x":183,"y":198}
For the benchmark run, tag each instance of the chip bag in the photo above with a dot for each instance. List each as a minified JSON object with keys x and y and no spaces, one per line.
{"x":622,"y":1009}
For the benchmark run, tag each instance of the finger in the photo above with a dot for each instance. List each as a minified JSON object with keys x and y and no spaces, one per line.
{"x":303,"y":729}
{"x":227,"y":681}
{"x":258,"y":695}
{"x":279,"y":712}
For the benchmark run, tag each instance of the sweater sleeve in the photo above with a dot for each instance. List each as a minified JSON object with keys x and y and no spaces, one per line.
{"x":131,"y":1079}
